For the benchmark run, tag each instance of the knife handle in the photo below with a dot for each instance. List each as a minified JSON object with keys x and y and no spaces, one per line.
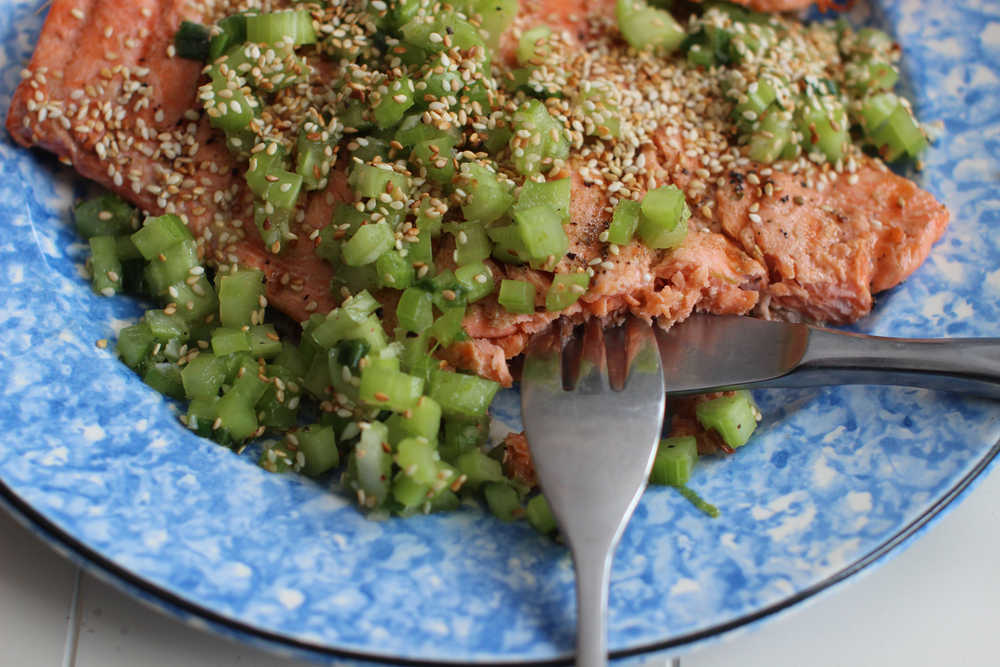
{"x":964,"y":365}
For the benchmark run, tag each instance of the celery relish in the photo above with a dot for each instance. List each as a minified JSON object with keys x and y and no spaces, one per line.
{"x":458,"y":129}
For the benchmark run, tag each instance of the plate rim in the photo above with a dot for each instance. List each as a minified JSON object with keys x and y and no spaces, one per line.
{"x":174,"y":605}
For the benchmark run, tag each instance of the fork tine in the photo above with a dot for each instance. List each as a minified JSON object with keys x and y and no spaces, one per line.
{"x":593,"y":361}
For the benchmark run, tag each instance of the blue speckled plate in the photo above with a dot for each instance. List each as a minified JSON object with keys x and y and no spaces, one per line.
{"x":835,"y":479}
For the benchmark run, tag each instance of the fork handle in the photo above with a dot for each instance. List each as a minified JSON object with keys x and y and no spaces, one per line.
{"x":593,"y":575}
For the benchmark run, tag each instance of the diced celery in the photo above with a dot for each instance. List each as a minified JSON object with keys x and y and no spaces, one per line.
{"x":554,"y":195}
{"x":533,"y":48}
{"x":367,"y":244}
{"x":472,"y":245}
{"x":423,"y":419}
{"x":898,"y":135}
{"x":172,"y":265}
{"x":418,"y":459}
{"x":875,"y":110}
{"x":160,"y":233}
{"x":495,"y":16}
{"x":338,"y":326}
{"x":546,"y":142}
{"x":236,"y":415}
{"x":624,"y":222}
{"x":822,"y":121}
{"x":733,"y":417}
{"x":228,"y":103}
{"x":461,"y":395}
{"x":290,"y":26}
{"x":517,"y":296}
{"x":264,"y":341}
{"x":393,"y":270}
{"x":203,"y":376}
{"x":539,"y":515}
{"x":195,"y":300}
{"x":760,"y":95}
{"x":663,"y":217}
{"x":291,"y":358}
{"x":166,"y":327}
{"x":107,"y":215}
{"x":408,"y":492}
{"x":314,"y":152}
{"x":448,"y":326}
{"x":476,"y":279}
{"x":201,"y":415}
{"x":503,"y":501}
{"x":412,"y":130}
{"x":245,"y":376}
{"x":542,"y":233}
{"x":227,"y":341}
{"x":240,"y":294}
{"x":597,"y":105}
{"x":105,"y":267}
{"x":770,"y":137}
{"x":435,"y":156}
{"x":870,"y":74}
{"x":509,"y":247}
{"x":390,"y":108}
{"x":370,"y":181}
{"x":565,"y":289}
{"x":479,"y":468}
{"x":420,"y":32}
{"x":675,"y":458}
{"x":165,"y":377}
{"x":414,"y":312}
{"x":278,"y":407}
{"x":643,"y":26}
{"x":318,"y":445}
{"x":370,"y":466}
{"x":487,"y":198}
{"x":395,"y":391}
{"x":262,"y":164}
{"x":134,"y":344}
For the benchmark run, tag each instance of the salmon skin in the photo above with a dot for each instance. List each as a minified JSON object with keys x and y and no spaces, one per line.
{"x":104,"y":92}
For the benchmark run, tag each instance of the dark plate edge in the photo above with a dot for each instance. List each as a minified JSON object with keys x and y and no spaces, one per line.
{"x":171,"y":603}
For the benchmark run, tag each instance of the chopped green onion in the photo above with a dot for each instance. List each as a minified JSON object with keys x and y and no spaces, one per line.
{"x":192,"y":41}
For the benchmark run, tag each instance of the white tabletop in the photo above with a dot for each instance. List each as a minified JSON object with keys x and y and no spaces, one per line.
{"x":935,"y":603}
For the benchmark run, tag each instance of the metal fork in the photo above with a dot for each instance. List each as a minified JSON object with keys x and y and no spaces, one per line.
{"x":593,"y":445}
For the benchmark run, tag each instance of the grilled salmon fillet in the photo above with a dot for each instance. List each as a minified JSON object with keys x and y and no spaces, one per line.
{"x":105,"y":92}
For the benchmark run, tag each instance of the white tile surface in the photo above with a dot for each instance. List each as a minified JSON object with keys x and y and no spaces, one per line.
{"x":35,"y":591}
{"x":118,"y":631}
{"x":937,"y":603}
